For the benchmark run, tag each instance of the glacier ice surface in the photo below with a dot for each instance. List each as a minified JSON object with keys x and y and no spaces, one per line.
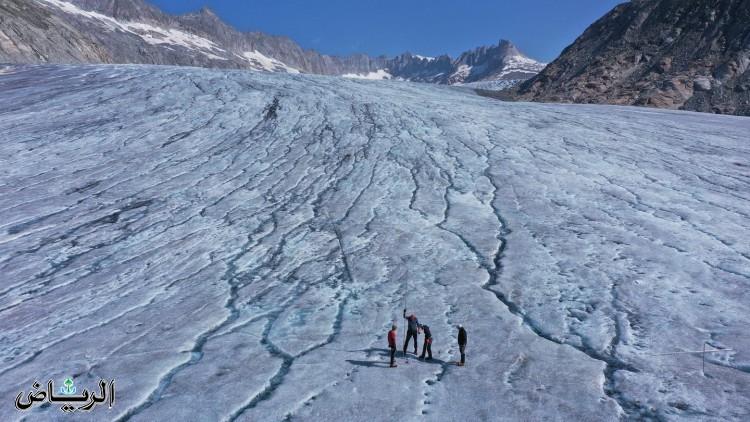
{"x":234,"y":245}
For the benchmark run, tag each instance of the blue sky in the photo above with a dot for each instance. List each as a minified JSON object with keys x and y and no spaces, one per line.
{"x":540,"y":28}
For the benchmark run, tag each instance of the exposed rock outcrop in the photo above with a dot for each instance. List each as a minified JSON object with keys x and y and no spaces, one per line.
{"x":681,"y":54}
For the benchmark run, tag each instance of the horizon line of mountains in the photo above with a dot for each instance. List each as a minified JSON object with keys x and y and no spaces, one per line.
{"x":678,"y":54}
{"x":134,"y":31}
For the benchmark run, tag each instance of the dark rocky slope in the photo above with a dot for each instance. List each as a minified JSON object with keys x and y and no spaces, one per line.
{"x":31,"y":33}
{"x":682,"y":54}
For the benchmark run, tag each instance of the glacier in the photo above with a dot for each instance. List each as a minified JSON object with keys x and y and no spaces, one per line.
{"x":233,"y":245}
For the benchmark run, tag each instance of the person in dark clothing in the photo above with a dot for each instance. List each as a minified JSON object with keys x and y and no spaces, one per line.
{"x":392,"y":345}
{"x":427,"y":347}
{"x":412,"y":330}
{"x":462,"y":344}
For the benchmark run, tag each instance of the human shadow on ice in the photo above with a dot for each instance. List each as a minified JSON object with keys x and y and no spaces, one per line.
{"x":385,"y":353}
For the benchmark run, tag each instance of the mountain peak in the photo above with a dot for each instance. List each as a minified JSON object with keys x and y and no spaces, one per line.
{"x":507,"y":48}
{"x":208,"y":12}
{"x":206,"y":15}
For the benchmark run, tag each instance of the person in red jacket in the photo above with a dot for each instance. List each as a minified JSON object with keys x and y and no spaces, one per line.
{"x":392,"y":345}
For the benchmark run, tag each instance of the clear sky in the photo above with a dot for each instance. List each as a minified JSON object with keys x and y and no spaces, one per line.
{"x":540,"y":28}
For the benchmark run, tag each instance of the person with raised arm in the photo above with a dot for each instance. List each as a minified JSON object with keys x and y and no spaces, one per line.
{"x":412,"y":330}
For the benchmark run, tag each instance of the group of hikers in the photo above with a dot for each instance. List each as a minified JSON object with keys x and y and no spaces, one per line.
{"x":413,"y":329}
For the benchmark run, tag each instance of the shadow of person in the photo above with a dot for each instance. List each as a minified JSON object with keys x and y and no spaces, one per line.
{"x":434,"y":361}
{"x":369,"y":363}
{"x":381,"y":351}
{"x":386,"y":363}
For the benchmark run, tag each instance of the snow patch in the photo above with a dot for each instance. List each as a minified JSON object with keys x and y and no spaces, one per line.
{"x":157,"y":35}
{"x":263,"y":62}
{"x":70,"y":8}
{"x":429,"y":59}
{"x":460,"y":74}
{"x":523,"y":61}
{"x":520,"y":64}
{"x":463,"y":70}
{"x":380,"y":74}
{"x":213,"y":56}
{"x":6,"y":70}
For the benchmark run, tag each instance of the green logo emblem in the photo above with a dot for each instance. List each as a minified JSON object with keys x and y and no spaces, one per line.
{"x":68,"y":388}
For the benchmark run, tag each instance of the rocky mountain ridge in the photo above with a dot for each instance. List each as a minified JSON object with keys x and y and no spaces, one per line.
{"x":681,"y":54}
{"x":133,"y":31}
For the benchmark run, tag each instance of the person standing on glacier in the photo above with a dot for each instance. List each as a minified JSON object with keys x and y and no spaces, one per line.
{"x":427,"y":347}
{"x":412,"y":330}
{"x":462,"y":344}
{"x":392,"y":345}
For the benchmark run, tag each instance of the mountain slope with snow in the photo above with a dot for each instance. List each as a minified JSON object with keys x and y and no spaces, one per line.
{"x":501,"y":62}
{"x":133,"y":31}
{"x":234,"y":245}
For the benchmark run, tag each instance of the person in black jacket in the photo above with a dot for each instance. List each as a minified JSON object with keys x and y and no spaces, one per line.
{"x":462,"y":344}
{"x":412,"y":330}
{"x":427,"y":347}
